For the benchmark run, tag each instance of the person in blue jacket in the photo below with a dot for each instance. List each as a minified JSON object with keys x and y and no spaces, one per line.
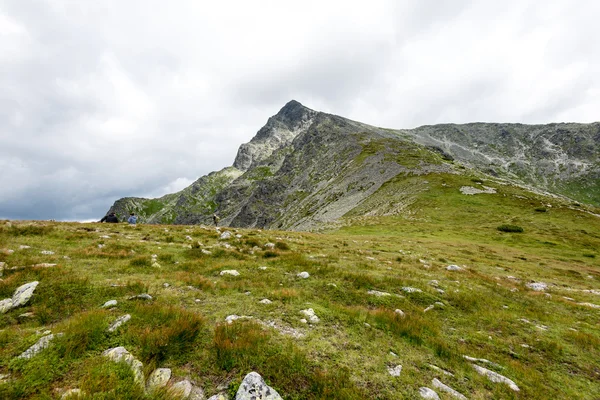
{"x":132,"y":219}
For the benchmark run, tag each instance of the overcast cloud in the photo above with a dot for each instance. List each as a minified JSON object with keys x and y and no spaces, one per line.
{"x":105,"y":99}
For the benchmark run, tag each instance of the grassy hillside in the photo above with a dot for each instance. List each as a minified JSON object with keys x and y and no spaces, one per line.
{"x":547,"y":342}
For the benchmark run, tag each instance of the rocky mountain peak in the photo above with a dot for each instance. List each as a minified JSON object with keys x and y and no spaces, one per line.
{"x":278,"y":132}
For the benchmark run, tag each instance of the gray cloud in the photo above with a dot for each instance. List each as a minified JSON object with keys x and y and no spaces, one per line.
{"x":100,"y":100}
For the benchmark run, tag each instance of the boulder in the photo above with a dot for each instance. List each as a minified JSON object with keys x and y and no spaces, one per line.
{"x":23,"y":294}
{"x":253,"y":387}
{"x":312,"y":317}
{"x":496,"y":377}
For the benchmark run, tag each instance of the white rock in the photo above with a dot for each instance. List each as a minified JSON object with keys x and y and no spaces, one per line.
{"x":24,"y":247}
{"x":181,"y":390}
{"x":143,"y":296}
{"x":443,"y":371}
{"x":40,"y":345}
{"x":399,"y":312}
{"x":444,"y":388}
{"x":253,"y":387}
{"x":395,"y":371}
{"x":265,"y":301}
{"x":262,"y":268}
{"x":312,"y":317}
{"x":188,"y":237}
{"x":537,"y":286}
{"x":47,"y":252}
{"x":158,"y":379}
{"x":230,"y":318}
{"x":496,"y":377}
{"x":481,"y":360}
{"x":72,"y":394}
{"x":219,"y":396}
{"x":303,"y":275}
{"x":592,"y":305}
{"x":44,"y":265}
{"x":269,"y":246}
{"x":304,"y":321}
{"x":453,"y":268}
{"x":378,"y":293}
{"x":23,"y":294}
{"x":204,"y":251}
{"x":238,"y":236}
{"x":427,"y":393}
{"x":409,"y":289}
{"x":434,"y":283}
{"x":225,"y":235}
{"x":5,"y":305}
{"x":120,"y":354}
{"x":232,"y":272}
{"x":118,"y":322}
{"x":429,"y":308}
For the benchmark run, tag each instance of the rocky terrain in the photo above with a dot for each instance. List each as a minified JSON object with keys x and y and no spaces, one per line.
{"x":305,"y":169}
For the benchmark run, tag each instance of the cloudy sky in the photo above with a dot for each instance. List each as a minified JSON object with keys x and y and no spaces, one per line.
{"x":105,"y":99}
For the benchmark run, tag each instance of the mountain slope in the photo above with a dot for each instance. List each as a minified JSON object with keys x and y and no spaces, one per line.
{"x":305,"y":168}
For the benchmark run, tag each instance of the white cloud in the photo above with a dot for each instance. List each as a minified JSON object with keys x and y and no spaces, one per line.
{"x":100,"y":100}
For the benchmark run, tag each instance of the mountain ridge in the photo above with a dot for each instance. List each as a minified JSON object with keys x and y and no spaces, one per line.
{"x":306,"y":168}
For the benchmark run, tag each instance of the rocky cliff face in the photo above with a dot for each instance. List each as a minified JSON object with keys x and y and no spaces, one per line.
{"x":305,"y":168}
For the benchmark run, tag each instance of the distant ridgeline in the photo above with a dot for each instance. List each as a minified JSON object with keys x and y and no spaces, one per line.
{"x":305,"y":168}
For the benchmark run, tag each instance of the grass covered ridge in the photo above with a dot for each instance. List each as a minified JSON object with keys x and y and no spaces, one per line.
{"x":548,"y":342}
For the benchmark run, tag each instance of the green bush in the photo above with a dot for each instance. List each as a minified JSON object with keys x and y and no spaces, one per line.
{"x":510,"y":228}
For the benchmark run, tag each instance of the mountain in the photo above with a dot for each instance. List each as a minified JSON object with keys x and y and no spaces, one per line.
{"x":306,"y":168}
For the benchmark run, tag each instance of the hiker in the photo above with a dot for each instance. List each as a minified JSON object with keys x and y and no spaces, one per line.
{"x":111,"y":217}
{"x":132,"y":219}
{"x":216,"y":219}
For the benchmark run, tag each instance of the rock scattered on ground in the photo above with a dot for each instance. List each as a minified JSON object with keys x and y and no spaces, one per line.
{"x":158,"y":379}
{"x":395,"y":371}
{"x":40,"y":345}
{"x":537,"y":286}
{"x":118,"y":322}
{"x":47,"y":252}
{"x":312,"y":317}
{"x":454,"y":268}
{"x":303,"y":275}
{"x":143,"y":296}
{"x":20,"y":297}
{"x":225,"y":235}
{"x":231,"y":272}
{"x":470,"y":190}
{"x":482,"y":360}
{"x":443,"y":371}
{"x":445,"y":388}
{"x":496,"y":377}
{"x":72,"y":394}
{"x":399,"y":312}
{"x":409,"y":289}
{"x":230,"y":318}
{"x":269,"y":246}
{"x":265,"y":301}
{"x":120,"y":354}
{"x":262,"y":268}
{"x":427,"y":393}
{"x":378,"y":293}
{"x":109,"y":303}
{"x":592,"y":305}
{"x":253,"y":387}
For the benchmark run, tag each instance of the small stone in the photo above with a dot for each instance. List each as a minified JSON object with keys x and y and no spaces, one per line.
{"x":496,"y":377}
{"x":5,"y":305}
{"x":591,"y":305}
{"x":265,"y":301}
{"x":312,"y":317}
{"x":444,"y":388}
{"x":378,"y":293}
{"x":429,"y":308}
{"x":304,"y":321}
{"x":232,"y":272}
{"x":395,"y":371}
{"x":270,"y":246}
{"x":23,"y":294}
{"x":24,"y":247}
{"x":399,"y":312}
{"x":427,"y":393}
{"x":118,"y":322}
{"x":393,"y":354}
{"x":143,"y":296}
{"x":44,"y":265}
{"x":225,"y":235}
{"x":181,"y":389}
{"x":166,"y":285}
{"x":262,"y":268}
{"x":188,"y":237}
{"x":454,"y":268}
{"x":27,"y":315}
{"x":409,"y":289}
{"x":253,"y":387}
{"x":230,"y":318}
{"x":303,"y":275}
{"x":158,"y":379}
{"x":40,"y":345}
{"x":537,"y":286}
{"x":110,"y":303}
{"x":72,"y":394}
{"x":47,"y":252}
{"x":120,"y":354}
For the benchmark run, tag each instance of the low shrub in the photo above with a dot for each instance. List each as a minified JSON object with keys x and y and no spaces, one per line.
{"x":510,"y":228}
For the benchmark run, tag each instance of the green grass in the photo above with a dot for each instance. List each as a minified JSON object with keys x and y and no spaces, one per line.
{"x":548,"y":345}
